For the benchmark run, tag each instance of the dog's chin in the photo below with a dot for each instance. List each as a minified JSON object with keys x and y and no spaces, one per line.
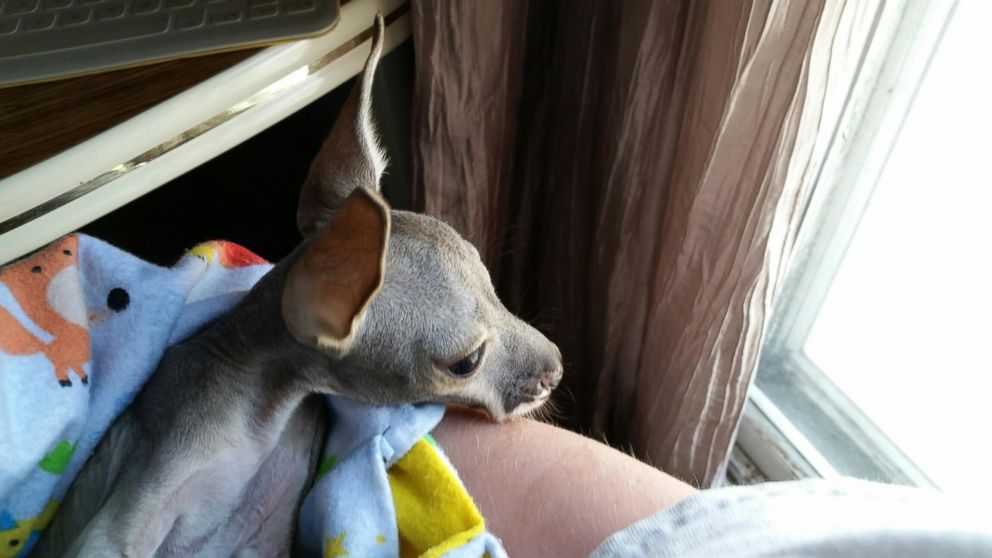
{"x":525,"y":408}
{"x":479,"y":410}
{"x":528,"y":407}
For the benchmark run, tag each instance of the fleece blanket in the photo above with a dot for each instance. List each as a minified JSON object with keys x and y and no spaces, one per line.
{"x":82,"y":327}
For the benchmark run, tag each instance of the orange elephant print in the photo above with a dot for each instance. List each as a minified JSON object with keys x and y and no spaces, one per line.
{"x":46,"y":288}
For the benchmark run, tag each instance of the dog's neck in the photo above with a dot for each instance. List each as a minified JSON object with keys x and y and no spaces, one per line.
{"x":261,"y":360}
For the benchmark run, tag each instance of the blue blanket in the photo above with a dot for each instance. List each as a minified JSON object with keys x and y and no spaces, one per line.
{"x":84,"y":324}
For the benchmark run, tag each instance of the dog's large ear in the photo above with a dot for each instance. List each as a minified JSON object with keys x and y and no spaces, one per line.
{"x":330,"y":287}
{"x":351,"y":157}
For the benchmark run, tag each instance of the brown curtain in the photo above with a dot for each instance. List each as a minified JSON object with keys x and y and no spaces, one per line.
{"x":623,"y":168}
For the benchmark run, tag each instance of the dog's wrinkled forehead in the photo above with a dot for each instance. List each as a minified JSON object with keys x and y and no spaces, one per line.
{"x":425,"y":240}
{"x":435,"y":284}
{"x":425,"y":227}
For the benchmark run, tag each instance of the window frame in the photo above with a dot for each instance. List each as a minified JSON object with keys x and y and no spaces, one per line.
{"x":899,"y":47}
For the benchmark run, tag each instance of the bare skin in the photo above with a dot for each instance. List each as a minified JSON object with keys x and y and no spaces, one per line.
{"x":546,"y":491}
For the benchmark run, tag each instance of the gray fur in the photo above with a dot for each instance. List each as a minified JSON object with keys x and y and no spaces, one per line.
{"x":215,"y":454}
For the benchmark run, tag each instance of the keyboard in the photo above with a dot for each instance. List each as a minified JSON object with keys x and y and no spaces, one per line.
{"x":46,"y":39}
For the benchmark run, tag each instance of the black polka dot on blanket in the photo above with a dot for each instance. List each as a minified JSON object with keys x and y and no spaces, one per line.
{"x":118,"y":299}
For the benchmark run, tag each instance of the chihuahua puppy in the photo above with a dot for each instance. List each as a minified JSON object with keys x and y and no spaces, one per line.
{"x":216,"y":453}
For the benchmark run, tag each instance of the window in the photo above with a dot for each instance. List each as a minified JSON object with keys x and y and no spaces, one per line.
{"x":878,"y":363}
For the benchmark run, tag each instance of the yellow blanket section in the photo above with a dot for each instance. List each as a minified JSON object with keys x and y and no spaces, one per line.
{"x":14,"y":536}
{"x":434,"y":512}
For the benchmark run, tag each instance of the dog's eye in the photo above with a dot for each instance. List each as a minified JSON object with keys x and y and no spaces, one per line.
{"x":467,"y":365}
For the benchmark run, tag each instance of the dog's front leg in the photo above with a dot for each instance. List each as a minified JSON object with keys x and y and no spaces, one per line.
{"x":283,"y":481}
{"x":133,"y":523}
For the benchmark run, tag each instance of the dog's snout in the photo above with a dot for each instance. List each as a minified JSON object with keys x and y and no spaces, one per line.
{"x":551,"y":378}
{"x":552,"y":370}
